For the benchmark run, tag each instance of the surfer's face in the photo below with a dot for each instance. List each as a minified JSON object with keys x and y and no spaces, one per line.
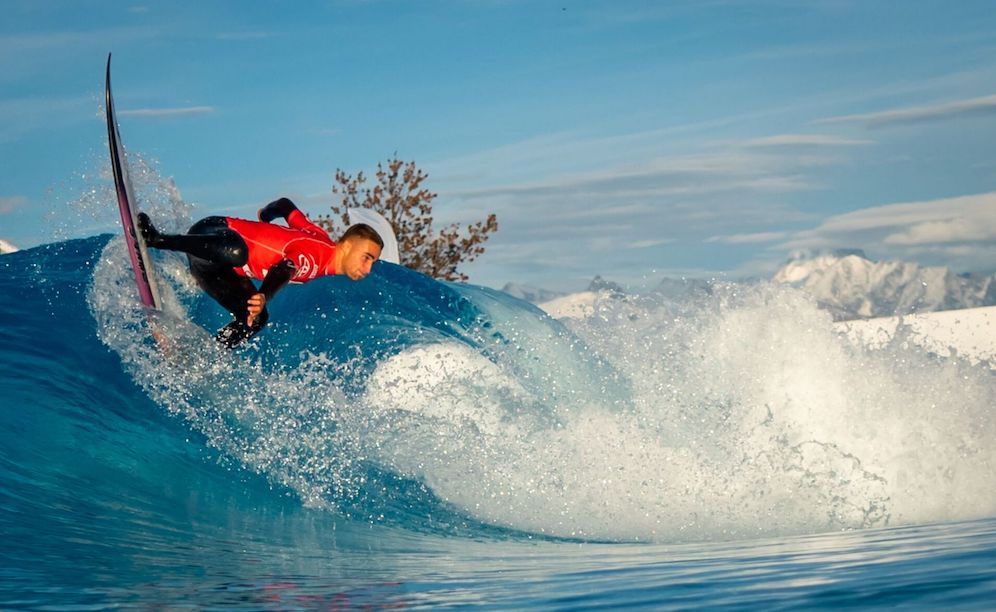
{"x":360,"y":255}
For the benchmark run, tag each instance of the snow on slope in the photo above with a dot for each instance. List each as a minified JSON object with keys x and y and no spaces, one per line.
{"x":969,"y":332}
{"x":7,"y":247}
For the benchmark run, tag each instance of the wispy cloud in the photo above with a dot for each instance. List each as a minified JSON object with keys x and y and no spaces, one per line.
{"x":615,"y":219}
{"x":562,"y":152}
{"x":959,"y":233}
{"x":947,"y":231}
{"x":985,"y":105}
{"x":959,"y":227}
{"x":588,"y":213}
{"x":748,"y":238}
{"x":900,"y":219}
{"x":805,"y":140}
{"x":646,"y":244}
{"x":10,"y":203}
{"x":167,"y":112}
{"x":686,"y":175}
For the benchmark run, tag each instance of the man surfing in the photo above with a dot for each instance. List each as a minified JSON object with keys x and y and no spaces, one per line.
{"x":226,"y":252}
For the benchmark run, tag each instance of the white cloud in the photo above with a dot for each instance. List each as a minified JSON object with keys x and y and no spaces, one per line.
{"x":166,"y":112}
{"x":748,"y":238}
{"x":954,"y":231}
{"x":646,"y":244}
{"x":970,"y":106}
{"x":567,"y":166}
{"x":561,"y":153}
{"x":906,"y":219}
{"x":946,"y":231}
{"x":605,"y":205}
{"x":806,"y":140}
{"x":682,"y":175}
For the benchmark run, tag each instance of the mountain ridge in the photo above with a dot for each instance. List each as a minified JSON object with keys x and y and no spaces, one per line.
{"x":845,"y":282}
{"x":854,"y":286}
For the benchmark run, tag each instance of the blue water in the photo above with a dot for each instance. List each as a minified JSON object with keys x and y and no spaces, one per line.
{"x":401,"y":442}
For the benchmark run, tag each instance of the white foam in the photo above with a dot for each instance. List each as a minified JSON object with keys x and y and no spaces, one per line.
{"x":754,"y":415}
{"x":573,"y":306}
{"x":444,"y":382}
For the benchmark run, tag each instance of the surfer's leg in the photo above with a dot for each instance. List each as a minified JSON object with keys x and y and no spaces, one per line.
{"x":231,"y":290}
{"x":209,"y":239}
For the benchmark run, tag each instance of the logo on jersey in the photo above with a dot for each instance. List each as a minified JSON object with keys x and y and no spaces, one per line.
{"x":306,"y":267}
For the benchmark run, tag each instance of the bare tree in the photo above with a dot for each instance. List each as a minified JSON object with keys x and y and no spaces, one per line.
{"x":400,"y":197}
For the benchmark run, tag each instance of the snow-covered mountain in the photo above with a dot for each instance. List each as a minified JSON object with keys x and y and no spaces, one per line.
{"x":7,"y":247}
{"x":852,"y":286}
{"x":600,"y":284}
{"x":846,"y":283}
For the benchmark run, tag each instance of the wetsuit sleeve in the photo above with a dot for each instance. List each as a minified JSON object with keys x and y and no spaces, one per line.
{"x":299,"y":221}
{"x":286,"y":210}
{"x":277,"y":276}
{"x":277,"y":209}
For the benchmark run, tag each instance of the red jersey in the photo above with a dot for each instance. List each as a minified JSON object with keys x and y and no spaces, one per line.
{"x":305,"y":244}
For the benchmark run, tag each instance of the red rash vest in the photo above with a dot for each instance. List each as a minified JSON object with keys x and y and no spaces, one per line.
{"x":305,"y":244}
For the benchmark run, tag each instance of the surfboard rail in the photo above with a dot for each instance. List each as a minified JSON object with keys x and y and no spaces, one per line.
{"x":148,"y":291}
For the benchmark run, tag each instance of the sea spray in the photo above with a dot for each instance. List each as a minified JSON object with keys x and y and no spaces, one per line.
{"x":746,"y":414}
{"x":729,"y":411}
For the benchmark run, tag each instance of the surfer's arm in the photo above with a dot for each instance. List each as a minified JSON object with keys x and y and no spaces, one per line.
{"x":277,"y":209}
{"x":277,"y":276}
{"x":289,"y":212}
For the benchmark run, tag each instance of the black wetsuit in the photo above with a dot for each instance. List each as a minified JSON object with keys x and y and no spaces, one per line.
{"x":215,"y":253}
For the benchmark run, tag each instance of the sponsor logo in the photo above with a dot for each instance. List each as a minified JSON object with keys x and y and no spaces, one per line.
{"x":306,"y":267}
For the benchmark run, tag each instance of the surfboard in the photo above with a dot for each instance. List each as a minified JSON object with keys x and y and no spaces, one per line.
{"x":141,"y":264}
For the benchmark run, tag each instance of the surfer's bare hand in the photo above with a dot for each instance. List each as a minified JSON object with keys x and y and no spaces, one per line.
{"x":256,"y":303}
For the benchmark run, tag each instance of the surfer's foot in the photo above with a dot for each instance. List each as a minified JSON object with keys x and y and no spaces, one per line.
{"x":236,"y":332}
{"x":231,"y":334}
{"x":150,"y":235}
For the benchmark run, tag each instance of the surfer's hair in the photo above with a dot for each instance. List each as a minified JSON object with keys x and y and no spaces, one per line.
{"x":363,"y":231}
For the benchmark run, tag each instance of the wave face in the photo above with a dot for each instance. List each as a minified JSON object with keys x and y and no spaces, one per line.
{"x":457,"y":411}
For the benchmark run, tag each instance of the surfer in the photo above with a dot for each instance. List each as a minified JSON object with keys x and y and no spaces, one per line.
{"x":225,"y":253}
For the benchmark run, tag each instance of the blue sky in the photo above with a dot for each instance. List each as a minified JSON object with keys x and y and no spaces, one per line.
{"x":634,"y":140}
